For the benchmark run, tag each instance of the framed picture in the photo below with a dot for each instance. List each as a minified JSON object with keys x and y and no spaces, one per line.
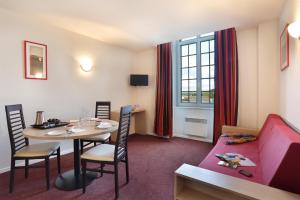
{"x":35,"y":60}
{"x":284,"y":49}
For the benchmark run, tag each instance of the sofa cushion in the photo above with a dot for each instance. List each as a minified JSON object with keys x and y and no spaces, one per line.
{"x":279,"y":159}
{"x":266,"y":131}
{"x":250,"y":150}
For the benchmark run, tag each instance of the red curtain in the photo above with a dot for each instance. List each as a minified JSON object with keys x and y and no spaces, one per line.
{"x":226,"y":80}
{"x":164,"y":111}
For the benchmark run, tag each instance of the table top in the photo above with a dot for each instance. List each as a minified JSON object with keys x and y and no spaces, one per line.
{"x":89,"y":127}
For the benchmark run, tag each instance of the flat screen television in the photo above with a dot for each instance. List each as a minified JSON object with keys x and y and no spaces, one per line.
{"x":139,"y":79}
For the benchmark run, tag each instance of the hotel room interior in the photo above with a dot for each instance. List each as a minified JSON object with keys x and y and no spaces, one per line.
{"x":150,"y":99}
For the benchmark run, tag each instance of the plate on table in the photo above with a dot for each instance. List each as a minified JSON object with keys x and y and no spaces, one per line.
{"x":53,"y":133}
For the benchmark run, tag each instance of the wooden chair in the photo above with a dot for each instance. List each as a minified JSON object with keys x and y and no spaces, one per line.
{"x":103,"y":111}
{"x":20,"y":148}
{"x":107,"y":154}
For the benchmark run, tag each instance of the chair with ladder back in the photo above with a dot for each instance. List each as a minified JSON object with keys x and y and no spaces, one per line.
{"x":103,"y":111}
{"x":22,"y":150}
{"x":107,"y":154}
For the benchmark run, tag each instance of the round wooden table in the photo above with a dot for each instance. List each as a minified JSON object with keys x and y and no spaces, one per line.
{"x":71,"y":180}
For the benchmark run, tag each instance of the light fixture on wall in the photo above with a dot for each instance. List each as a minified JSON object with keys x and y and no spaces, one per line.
{"x":86,"y":64}
{"x":294,"y":29}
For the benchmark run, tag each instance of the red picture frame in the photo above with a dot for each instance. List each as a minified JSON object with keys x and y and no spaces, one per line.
{"x":35,"y":61}
{"x":284,"y":49}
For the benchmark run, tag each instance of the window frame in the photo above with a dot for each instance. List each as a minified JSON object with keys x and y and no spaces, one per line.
{"x":177,"y":51}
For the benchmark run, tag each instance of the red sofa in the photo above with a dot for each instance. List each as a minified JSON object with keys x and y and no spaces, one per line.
{"x":276,"y":154}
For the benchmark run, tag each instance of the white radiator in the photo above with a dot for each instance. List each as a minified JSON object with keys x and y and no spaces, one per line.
{"x":195,"y":127}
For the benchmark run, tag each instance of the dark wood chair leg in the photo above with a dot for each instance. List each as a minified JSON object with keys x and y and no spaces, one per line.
{"x":26,"y":168}
{"x":116,"y":180}
{"x":95,"y":144}
{"x":127,"y":168}
{"x":12,"y":175}
{"x":83,"y":164}
{"x":81,"y":146}
{"x":58,"y":160}
{"x":109,"y":140}
{"x":47,"y":166}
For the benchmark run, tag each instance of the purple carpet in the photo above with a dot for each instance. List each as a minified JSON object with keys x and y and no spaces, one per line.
{"x":152,"y":162}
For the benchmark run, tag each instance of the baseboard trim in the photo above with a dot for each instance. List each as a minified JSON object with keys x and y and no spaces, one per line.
{"x":6,"y":169}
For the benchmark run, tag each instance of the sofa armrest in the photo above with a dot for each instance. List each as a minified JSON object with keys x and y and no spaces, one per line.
{"x":197,"y":183}
{"x":233,"y":130}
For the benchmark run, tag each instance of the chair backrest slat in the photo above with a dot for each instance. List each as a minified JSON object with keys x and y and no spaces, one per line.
{"x":15,"y":125}
{"x":20,"y":147}
{"x":123,"y":132}
{"x":103,"y":110}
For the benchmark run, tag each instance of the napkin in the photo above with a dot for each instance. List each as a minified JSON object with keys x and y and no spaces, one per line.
{"x":55,"y":132}
{"x":104,"y":125}
{"x":76,"y":130}
{"x":95,"y":119}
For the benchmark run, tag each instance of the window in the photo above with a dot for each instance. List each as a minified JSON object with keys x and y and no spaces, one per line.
{"x":195,"y":71}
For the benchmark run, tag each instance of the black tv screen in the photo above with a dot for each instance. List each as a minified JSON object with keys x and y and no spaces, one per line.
{"x":139,"y":79}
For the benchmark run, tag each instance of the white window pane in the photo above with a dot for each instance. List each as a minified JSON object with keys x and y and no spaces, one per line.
{"x":193,"y":85}
{"x":193,"y":73}
{"x":185,"y":97}
{"x":212,"y":97}
{"x":212,"y":71}
{"x":205,"y":59}
{"x":212,"y":45}
{"x":184,"y":50}
{"x":204,"y":47}
{"x":193,"y":97}
{"x":205,"y":97}
{"x":205,"y":85}
{"x":185,"y":73}
{"x":212,"y":58}
{"x":192,"y":49}
{"x":192,"y":61}
{"x":184,"y":62}
{"x":212,"y":84}
{"x":204,"y":72}
{"x":185,"y":85}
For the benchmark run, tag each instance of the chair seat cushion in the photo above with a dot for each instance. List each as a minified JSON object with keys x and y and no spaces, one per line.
{"x":101,"y":138}
{"x":38,"y":150}
{"x":103,"y":152}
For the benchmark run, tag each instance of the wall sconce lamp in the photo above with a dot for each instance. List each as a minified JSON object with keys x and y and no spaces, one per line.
{"x":86,"y":64}
{"x":294,"y":29}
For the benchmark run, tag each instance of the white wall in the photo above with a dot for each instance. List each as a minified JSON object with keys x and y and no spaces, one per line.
{"x":248,"y":77}
{"x":290,"y":78}
{"x":268,"y":70}
{"x":145,"y":63}
{"x":69,"y":91}
{"x":258,"y":73}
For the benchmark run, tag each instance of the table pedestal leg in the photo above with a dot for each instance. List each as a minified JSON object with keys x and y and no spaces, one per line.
{"x":71,"y":180}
